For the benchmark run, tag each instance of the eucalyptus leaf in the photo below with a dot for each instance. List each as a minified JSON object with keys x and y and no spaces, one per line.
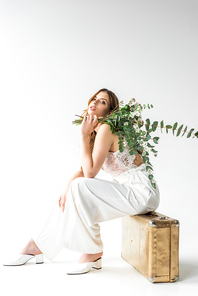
{"x":147,"y":123}
{"x":150,"y":146}
{"x":196,"y":134}
{"x":154,"y":151}
{"x":150,"y":176}
{"x":148,"y":167}
{"x":179,"y":130}
{"x":154,"y":125}
{"x":145,"y":159}
{"x":168,"y":127}
{"x":162,"y":125}
{"x":184,"y":131}
{"x":155,"y":140}
{"x":190,"y":132}
{"x":148,"y":137}
{"x":174,"y":127}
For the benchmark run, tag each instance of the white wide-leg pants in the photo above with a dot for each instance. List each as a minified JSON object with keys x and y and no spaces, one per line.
{"x":91,"y":201}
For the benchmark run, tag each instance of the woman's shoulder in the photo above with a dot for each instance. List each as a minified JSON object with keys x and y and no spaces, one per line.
{"x":104,"y":128}
{"x":105,"y":132}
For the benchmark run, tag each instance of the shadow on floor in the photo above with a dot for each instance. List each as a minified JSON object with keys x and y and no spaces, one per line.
{"x":188,"y":270}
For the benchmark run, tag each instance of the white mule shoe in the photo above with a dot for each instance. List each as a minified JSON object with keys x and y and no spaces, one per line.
{"x":79,"y":268}
{"x":22,"y":259}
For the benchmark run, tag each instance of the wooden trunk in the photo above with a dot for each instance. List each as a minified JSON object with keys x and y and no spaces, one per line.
{"x":150,"y":243}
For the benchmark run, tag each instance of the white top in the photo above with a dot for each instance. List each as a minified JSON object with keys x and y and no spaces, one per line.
{"x":118,"y":162}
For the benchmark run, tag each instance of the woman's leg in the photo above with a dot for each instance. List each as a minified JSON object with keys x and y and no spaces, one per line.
{"x":31,"y":249}
{"x":89,"y":202}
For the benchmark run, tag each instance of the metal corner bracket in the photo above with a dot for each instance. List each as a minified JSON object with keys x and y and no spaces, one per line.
{"x":176,"y":223}
{"x":152,"y":280}
{"x":152,"y":223}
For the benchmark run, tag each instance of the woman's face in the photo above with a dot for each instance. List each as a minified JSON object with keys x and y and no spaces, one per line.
{"x":99,"y":105}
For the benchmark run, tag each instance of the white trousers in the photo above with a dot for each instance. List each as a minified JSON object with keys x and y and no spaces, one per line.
{"x":91,"y":201}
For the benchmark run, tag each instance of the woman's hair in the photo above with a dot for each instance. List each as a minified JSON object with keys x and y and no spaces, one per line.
{"x":114,"y":104}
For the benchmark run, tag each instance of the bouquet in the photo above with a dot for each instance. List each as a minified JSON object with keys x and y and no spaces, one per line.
{"x":126,"y":121}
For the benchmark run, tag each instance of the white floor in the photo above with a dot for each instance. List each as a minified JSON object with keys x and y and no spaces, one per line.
{"x":116,"y":277}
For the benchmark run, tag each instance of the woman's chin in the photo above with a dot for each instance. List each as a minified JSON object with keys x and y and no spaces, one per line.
{"x":91,"y":112}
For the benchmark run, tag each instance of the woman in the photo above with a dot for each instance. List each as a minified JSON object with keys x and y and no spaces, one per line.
{"x":86,"y":200}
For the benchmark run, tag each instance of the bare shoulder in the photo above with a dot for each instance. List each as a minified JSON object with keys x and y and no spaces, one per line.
{"x":104,"y":129}
{"x":104,"y":135}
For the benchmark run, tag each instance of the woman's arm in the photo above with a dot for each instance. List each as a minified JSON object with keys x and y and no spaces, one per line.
{"x":63,"y":195}
{"x":77,"y":174}
{"x":92,"y":162}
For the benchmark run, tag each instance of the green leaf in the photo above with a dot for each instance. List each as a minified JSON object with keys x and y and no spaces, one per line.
{"x":154,"y":125}
{"x":140,"y":124}
{"x":145,"y":159}
{"x":153,"y":184}
{"x":162,"y":125}
{"x":148,"y":137}
{"x":184,"y":131}
{"x":196,"y":134}
{"x":154,"y":151}
{"x":155,"y":140}
{"x":174,"y":127}
{"x":112,"y":129}
{"x":121,"y":148}
{"x":179,"y":130}
{"x":150,"y":177}
{"x":113,"y":120}
{"x":190,"y":132}
{"x":168,"y":127}
{"x":150,"y":146}
{"x":144,"y":153}
{"x":148,"y":167}
{"x":140,"y":148}
{"x":147,"y":124}
{"x":149,"y":130}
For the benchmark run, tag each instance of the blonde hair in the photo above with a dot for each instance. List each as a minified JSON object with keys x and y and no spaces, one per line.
{"x":114,"y":104}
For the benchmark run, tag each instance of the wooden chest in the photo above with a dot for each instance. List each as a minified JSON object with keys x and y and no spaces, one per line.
{"x":150,"y":243}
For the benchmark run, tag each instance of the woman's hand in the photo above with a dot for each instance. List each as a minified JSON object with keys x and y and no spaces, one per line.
{"x":89,"y":124}
{"x":62,"y":199}
{"x":64,"y":192}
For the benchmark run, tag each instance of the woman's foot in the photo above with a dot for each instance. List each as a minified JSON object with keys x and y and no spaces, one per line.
{"x":89,"y":257}
{"x":31,"y":249}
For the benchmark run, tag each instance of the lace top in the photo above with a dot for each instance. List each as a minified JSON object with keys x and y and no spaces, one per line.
{"x":118,"y":162}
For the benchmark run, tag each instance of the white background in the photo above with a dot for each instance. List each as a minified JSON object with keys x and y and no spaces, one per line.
{"x":54,"y":55}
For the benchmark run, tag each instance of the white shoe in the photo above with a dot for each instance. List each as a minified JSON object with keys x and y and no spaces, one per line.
{"x":22,"y":259}
{"x":79,"y":268}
